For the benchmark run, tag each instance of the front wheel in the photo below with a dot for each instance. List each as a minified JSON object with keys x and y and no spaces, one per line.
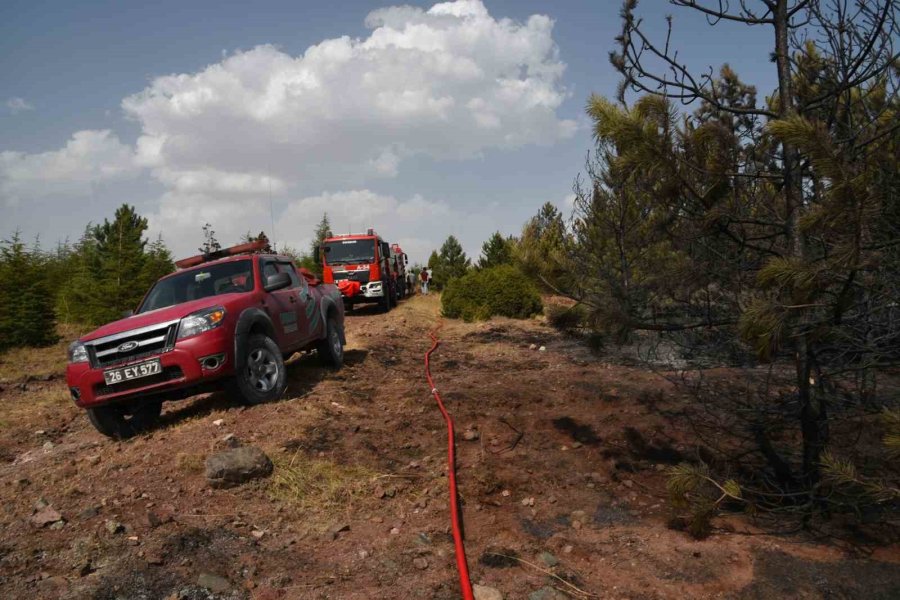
{"x":121,"y":421}
{"x":331,"y":349}
{"x":262,"y":378}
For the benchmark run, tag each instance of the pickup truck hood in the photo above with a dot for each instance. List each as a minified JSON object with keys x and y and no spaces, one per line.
{"x":161,"y":315}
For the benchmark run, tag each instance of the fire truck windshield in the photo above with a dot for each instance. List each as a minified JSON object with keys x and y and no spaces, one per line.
{"x":341,"y":252}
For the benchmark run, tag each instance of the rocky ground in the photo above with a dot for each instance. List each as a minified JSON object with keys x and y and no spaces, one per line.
{"x":562,"y":459}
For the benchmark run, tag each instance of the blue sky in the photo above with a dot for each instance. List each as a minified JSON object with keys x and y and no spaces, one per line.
{"x":66,"y":67}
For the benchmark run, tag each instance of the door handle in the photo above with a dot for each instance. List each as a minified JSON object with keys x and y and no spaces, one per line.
{"x":292,"y":299}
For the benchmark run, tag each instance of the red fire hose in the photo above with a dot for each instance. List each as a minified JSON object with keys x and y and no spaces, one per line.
{"x":461,"y":564}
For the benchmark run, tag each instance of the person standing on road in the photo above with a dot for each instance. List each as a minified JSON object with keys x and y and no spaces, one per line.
{"x":424,"y":277}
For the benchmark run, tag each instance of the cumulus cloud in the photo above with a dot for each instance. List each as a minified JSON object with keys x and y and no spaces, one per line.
{"x":448,"y":82}
{"x":401,"y":221}
{"x":89,"y":157}
{"x":16,"y":105}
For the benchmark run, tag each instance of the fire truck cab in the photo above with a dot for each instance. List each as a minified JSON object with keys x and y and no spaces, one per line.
{"x":362,"y":268}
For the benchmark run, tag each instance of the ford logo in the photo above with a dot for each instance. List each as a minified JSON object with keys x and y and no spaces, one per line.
{"x":127,"y":346}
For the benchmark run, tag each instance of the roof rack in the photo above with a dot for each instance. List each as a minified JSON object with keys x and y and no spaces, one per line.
{"x":248,"y":248}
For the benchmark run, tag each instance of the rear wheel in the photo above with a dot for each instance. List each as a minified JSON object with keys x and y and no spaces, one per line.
{"x":384,"y":303}
{"x":262,"y":377}
{"x":121,"y":421}
{"x":331,"y":349}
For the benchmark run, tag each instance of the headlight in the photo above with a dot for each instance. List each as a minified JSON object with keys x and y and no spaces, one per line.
{"x":200,"y":321}
{"x":77,"y":353}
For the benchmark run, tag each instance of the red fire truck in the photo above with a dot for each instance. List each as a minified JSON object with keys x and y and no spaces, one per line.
{"x":400,"y":260}
{"x":361,"y":266}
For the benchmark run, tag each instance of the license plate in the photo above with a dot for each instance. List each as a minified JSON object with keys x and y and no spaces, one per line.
{"x":114,"y":376}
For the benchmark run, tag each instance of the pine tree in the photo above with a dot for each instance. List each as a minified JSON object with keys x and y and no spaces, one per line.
{"x":541,"y":249}
{"x":121,"y":260}
{"x":75,"y":301}
{"x":210,"y":243}
{"x":157,"y":262}
{"x":496,"y":251}
{"x":433,"y":260}
{"x":451,"y":263}
{"x":26,"y":304}
{"x":323,"y":232}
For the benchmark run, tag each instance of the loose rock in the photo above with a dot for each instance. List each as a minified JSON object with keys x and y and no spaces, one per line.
{"x":214,"y":583}
{"x":228,"y":441}
{"x":548,"y":559}
{"x":483,"y":592}
{"x":46,"y":516}
{"x":470,"y":435}
{"x":237,"y":466}
{"x":420,"y":563}
{"x":89,"y":513}
{"x":546,"y":593}
{"x":114,"y":527}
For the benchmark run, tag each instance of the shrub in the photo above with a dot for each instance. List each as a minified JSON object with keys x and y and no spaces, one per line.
{"x":567,"y":318}
{"x":479,"y":295}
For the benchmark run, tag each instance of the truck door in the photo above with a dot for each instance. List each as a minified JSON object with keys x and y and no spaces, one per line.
{"x":309,"y":315}
{"x":281,"y":305}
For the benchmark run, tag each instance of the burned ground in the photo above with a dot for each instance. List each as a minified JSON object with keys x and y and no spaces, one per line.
{"x":563,"y":467}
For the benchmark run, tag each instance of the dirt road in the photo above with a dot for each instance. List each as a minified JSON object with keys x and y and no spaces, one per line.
{"x":561,"y":467}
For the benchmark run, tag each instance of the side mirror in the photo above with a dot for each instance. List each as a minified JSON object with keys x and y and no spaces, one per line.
{"x":405,"y":259}
{"x":317,"y":255}
{"x":278,"y":281}
{"x":127,"y":313}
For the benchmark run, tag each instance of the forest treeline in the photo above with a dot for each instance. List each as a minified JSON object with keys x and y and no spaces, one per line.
{"x":93,"y":281}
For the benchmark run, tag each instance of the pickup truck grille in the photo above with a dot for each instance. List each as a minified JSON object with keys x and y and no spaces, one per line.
{"x":360,"y":276}
{"x":132,"y":345}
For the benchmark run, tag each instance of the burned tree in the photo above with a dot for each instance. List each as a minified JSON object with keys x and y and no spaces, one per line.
{"x":772,"y":221}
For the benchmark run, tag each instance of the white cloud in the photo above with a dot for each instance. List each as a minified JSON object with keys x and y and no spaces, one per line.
{"x":357,"y":210}
{"x":449,"y":82}
{"x":88,"y":158}
{"x":16,"y":105}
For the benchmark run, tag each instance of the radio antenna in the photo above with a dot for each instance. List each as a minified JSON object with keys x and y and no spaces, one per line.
{"x":271,"y":211}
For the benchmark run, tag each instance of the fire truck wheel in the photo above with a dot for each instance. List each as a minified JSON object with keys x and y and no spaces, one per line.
{"x":384,"y":304}
{"x":263,"y":377}
{"x":123,"y":421}
{"x":330,"y":349}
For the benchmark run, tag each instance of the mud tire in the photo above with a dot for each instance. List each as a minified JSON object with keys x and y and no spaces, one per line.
{"x":331,"y":348}
{"x":263,"y":377}
{"x":119,"y":421}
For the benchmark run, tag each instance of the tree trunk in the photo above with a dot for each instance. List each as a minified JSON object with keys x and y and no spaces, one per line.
{"x":813,"y":415}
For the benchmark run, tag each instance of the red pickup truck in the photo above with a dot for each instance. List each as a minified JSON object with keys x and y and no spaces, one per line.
{"x":230,"y":319}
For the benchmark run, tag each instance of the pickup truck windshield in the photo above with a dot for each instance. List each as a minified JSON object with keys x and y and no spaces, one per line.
{"x":202,"y":282}
{"x":350,"y":251}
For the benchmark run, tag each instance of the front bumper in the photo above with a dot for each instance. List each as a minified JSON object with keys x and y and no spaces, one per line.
{"x":181,"y":368}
